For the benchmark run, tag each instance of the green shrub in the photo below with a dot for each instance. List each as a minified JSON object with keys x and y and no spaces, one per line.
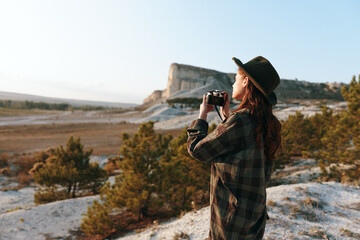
{"x":97,"y":220}
{"x":50,"y":195}
{"x":70,"y":169}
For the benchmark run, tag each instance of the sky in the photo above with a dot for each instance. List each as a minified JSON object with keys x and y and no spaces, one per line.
{"x":121,"y":51}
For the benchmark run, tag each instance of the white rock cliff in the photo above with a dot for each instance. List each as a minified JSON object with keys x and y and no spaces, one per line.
{"x":188,"y":81}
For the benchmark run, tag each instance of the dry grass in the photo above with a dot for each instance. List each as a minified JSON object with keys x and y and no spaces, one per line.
{"x":181,"y":236}
{"x":13,"y":210}
{"x":348,"y":233}
{"x":298,"y":211}
{"x":271,"y":203}
{"x":316,"y":233}
{"x":286,"y":199}
{"x":24,"y":179}
{"x":104,"y":138}
{"x":271,"y":238}
{"x":354,"y":206}
{"x":23,"y":112}
{"x":294,"y":211}
{"x":312,"y":203}
{"x":16,"y":188}
{"x":300,"y":189}
{"x":305,"y":208}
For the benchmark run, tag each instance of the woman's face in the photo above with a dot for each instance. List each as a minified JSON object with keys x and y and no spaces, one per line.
{"x":239,"y":87}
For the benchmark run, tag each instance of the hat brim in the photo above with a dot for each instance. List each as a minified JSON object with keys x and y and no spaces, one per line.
{"x":271,"y":97}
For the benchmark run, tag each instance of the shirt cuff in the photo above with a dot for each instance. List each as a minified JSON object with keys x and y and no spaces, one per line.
{"x":200,"y":125}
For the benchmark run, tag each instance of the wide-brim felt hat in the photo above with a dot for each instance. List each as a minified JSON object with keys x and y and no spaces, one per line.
{"x":262,"y":74}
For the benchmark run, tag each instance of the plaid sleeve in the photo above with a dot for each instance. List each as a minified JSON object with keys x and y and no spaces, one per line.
{"x":229,"y":136}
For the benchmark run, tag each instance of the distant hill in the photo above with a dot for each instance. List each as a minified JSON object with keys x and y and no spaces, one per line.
{"x":294,"y":89}
{"x":186,"y":81}
{"x":34,"y":98}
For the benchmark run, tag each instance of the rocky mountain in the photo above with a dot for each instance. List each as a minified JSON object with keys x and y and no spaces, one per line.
{"x":186,"y":81}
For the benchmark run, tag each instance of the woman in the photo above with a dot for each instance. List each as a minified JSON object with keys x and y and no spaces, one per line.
{"x":241,"y":151}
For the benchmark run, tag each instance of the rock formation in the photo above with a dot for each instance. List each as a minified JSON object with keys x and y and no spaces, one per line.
{"x":157,"y":94}
{"x":186,"y":81}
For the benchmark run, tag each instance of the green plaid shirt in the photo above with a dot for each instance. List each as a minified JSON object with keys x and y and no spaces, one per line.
{"x":239,"y":175}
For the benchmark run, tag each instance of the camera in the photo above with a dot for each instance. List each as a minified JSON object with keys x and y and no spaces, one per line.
{"x":215,"y":97}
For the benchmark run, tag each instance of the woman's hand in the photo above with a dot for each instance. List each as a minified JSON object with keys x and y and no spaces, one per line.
{"x":225,"y":109}
{"x":205,"y":109}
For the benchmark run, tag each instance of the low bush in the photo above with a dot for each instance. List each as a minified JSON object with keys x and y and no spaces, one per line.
{"x":5,"y":171}
{"x":4,"y":160}
{"x":112,"y":165}
{"x":24,"y":163}
{"x":24,"y":179}
{"x":97,"y":220}
{"x":50,"y":195}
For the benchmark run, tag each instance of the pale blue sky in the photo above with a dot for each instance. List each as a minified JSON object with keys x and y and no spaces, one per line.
{"x":121,"y":50}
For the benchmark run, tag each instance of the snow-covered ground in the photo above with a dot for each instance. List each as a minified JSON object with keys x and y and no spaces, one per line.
{"x":101,"y":160}
{"x":45,"y":221}
{"x":301,"y":171}
{"x":305,"y":210}
{"x":298,"y":211}
{"x":14,"y":200}
{"x":22,"y":219}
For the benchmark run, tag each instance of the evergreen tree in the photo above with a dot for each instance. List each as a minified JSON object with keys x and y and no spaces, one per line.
{"x":295,"y":137}
{"x":338,"y":153}
{"x":301,"y":135}
{"x":335,"y":148}
{"x":352,"y":96}
{"x":185,"y":179}
{"x":318,"y":126}
{"x":93,"y":178}
{"x":137,"y":187}
{"x":69,"y":170}
{"x":157,"y":174}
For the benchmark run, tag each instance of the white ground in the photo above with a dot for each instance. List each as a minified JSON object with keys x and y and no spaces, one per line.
{"x":306,"y":210}
{"x":47,"y":220}
{"x":334,"y":214}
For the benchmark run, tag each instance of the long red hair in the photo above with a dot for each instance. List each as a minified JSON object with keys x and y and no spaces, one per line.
{"x":267,"y":125}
